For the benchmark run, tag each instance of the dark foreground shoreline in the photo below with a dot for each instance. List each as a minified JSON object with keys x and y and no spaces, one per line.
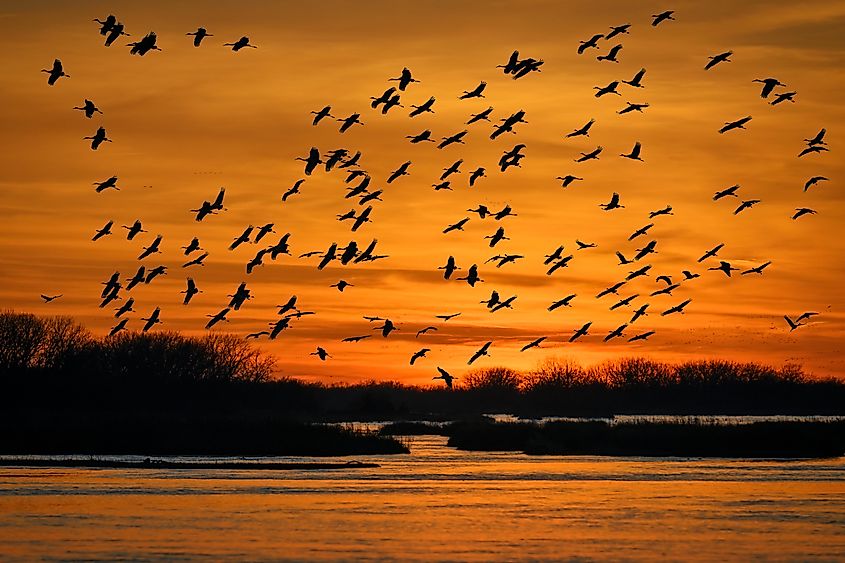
{"x":770,"y":439}
{"x":164,"y":464}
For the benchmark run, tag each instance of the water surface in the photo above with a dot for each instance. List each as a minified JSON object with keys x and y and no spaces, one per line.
{"x":435,"y":504}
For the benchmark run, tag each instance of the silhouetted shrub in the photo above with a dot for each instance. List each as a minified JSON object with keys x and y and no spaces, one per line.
{"x":493,"y":379}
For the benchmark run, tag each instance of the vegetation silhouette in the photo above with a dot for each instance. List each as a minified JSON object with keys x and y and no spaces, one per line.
{"x":63,"y":390}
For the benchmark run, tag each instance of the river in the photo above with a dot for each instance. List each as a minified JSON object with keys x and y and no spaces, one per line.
{"x":434,"y":504}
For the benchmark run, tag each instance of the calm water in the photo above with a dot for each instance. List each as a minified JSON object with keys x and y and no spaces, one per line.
{"x":435,"y":504}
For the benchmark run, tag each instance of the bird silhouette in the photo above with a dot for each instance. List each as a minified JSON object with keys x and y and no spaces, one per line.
{"x":481,"y":116}
{"x":792,"y":324}
{"x":567,"y":180}
{"x":746,"y":204}
{"x":641,"y":312}
{"x":152,"y":320}
{"x":399,"y":172}
{"x":665,"y":211}
{"x":731,"y":191}
{"x":145,"y":45}
{"x":98,"y":138}
{"x":565,"y":302}
{"x":472,"y":277}
{"x":357,"y":338}
{"x":425,"y":136}
{"x":320,"y":353}
{"x":404,"y":79}
{"x":190,"y":291}
{"x":592,"y":155}
{"x":609,"y":89}
{"x":813,"y":149}
{"x":311,"y":161}
{"x":88,"y":108}
{"x":483,"y":351}
{"x":616,"y":333}
{"x":738,"y":124}
{"x":716,"y":59}
{"x":806,"y":316}
{"x":711,"y":253}
{"x":612,"y":54}
{"x":118,"y":327}
{"x":452,"y":139}
{"x":449,"y":268}
{"x":583,"y":331}
{"x":419,"y":354}
{"x":50,"y":298}
{"x":341,"y":285}
{"x":200,"y":34}
{"x":153,"y":248}
{"x":612,"y":204}
{"x":241,"y":43}
{"x":349,"y":122}
{"x":533,"y":344}
{"x":125,"y":308}
{"x":425,"y":107}
{"x":584,"y":130}
{"x":477,"y":92}
{"x":459,"y":226}
{"x":784,"y":97}
{"x":591,"y":43}
{"x":801,"y":211}
{"x":425,"y":330}
{"x":618,"y":30}
{"x":662,"y":17}
{"x":725,"y":268}
{"x":768,"y":85}
{"x":757,"y":269}
{"x":56,"y":72}
{"x":632,"y":107}
{"x":445,"y":318}
{"x":679,"y":308}
{"x":106,"y":24}
{"x":198,"y":261}
{"x":104,"y":231}
{"x":218,"y":317}
{"x":641,"y":231}
{"x":813,"y":181}
{"x":134,"y":230}
{"x":641,"y":336}
{"x":818,"y":139}
{"x":116,"y":31}
{"x":445,"y":376}
{"x":497,"y":237}
{"x":635,"y":152}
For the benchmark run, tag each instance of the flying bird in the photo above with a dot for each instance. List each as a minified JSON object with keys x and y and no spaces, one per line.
{"x":241,"y":43}
{"x":56,"y":72}
{"x":662,"y":17}
{"x":419,"y":354}
{"x":476,"y":92}
{"x":483,"y":351}
{"x":445,"y":376}
{"x":105,"y":230}
{"x":801,"y":211}
{"x":578,"y":333}
{"x":533,"y":344}
{"x":731,"y":191}
{"x":200,"y":34}
{"x":98,"y":138}
{"x":88,"y":108}
{"x":720,"y":58}
{"x":768,"y":85}
{"x":738,"y":124}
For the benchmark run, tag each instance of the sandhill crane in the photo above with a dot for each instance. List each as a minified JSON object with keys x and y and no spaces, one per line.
{"x":472,"y":277}
{"x":425,"y":330}
{"x":133,"y":230}
{"x":118,"y":327}
{"x":617,"y":30}
{"x":425,"y":107}
{"x":116,"y":31}
{"x":321,"y":353}
{"x":483,"y":351}
{"x":757,"y":269}
{"x":612,"y":204}
{"x":419,"y":354}
{"x":716,"y":59}
{"x":452,"y":139}
{"x":792,"y":324}
{"x":746,"y":204}
{"x":616,"y":333}
{"x":711,"y":253}
{"x":311,"y":161}
{"x":635,"y":152}
{"x":421,"y":137}
{"x":665,"y":211}
{"x":88,"y":108}
{"x":641,"y":231}
{"x":641,"y":336}
{"x":738,"y":124}
{"x":200,"y":34}
{"x":565,"y":302}
{"x":152,"y":320}
{"x":145,"y":45}
{"x":449,"y":268}
{"x":56,"y":72}
{"x":679,"y":308}
{"x":818,"y":139}
{"x":768,"y":85}
{"x":497,"y":237}
{"x":349,"y":122}
{"x":98,"y":138}
{"x":533,"y":344}
{"x":477,"y":92}
{"x":341,"y":285}
{"x":578,"y":333}
{"x":813,"y":149}
{"x":445,"y":376}
{"x":404,"y":79}
{"x":591,"y":43}
{"x":612,"y":54}
{"x":106,"y":230}
{"x":190,"y":291}
{"x":242,"y":238}
{"x":784,"y":97}
{"x":584,"y":130}
{"x":806,"y":316}
{"x":725,"y":268}
{"x":609,"y":89}
{"x":632,"y":107}
{"x":641,"y":312}
{"x":813,"y":181}
{"x":106,"y":24}
{"x":125,"y":308}
{"x":153,"y":248}
{"x":198,"y":261}
{"x":661,"y":17}
{"x":459,"y":226}
{"x":480,"y":116}
{"x":241,"y":43}
{"x":567,"y":180}
{"x":592,"y":155}
{"x":50,"y":298}
{"x":801,"y":211}
{"x":731,"y":191}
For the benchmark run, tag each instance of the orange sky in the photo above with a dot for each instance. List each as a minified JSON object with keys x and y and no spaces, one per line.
{"x":186,"y":121}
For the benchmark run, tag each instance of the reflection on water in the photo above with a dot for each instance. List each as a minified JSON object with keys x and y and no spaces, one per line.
{"x":434,"y":504}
